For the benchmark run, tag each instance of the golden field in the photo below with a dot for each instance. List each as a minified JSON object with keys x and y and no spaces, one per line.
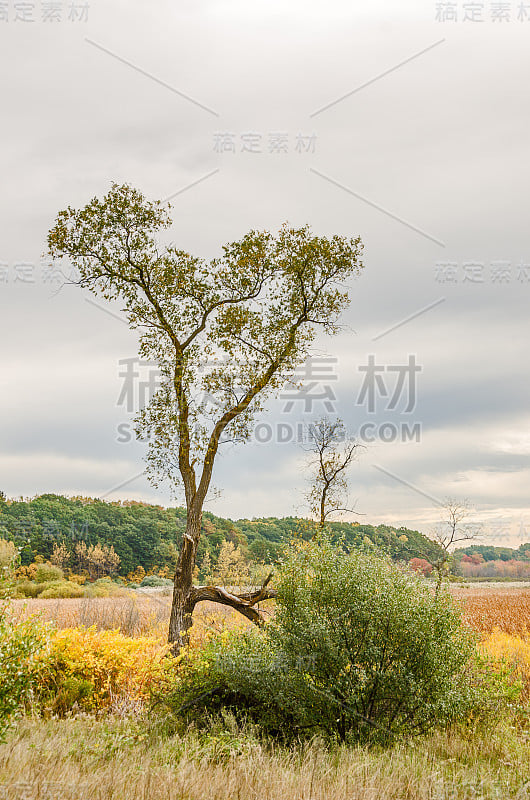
{"x":120,"y":642}
{"x":499,"y":607}
{"x":485,"y":609}
{"x":133,"y":615}
{"x":500,"y":615}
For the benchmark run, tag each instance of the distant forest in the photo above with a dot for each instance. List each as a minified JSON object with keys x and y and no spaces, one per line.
{"x":148,"y":536}
{"x":487,"y":561}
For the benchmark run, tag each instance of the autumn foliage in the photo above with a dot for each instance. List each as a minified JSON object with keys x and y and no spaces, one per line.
{"x":421,"y":565}
{"x":95,"y":669}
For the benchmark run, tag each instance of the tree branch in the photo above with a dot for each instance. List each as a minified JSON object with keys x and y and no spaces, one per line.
{"x":244,"y":603}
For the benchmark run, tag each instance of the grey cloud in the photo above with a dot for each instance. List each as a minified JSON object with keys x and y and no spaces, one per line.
{"x":440,"y":142}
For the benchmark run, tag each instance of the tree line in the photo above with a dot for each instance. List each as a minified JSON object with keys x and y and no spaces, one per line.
{"x":149,"y":536}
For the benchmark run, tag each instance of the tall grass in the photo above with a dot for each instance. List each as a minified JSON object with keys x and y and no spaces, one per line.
{"x":86,"y":759}
{"x":136,"y":615}
{"x":505,"y":609}
{"x":133,"y":615}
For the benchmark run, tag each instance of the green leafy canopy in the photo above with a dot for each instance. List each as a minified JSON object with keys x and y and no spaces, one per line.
{"x":225,"y":332}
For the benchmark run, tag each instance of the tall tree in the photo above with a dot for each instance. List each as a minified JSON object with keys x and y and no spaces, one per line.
{"x":225,"y":333}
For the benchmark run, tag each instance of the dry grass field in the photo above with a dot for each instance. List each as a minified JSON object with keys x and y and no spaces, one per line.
{"x":134,"y":615}
{"x":124,"y":755}
{"x":486,"y":608}
{"x":498,"y":606}
{"x":83,"y":759}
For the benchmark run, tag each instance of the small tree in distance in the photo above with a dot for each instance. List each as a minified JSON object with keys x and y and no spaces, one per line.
{"x":332,"y":455}
{"x":451,"y":529}
{"x":225,"y":333}
{"x":232,"y":568}
{"x":61,"y":555}
{"x":8,"y":554}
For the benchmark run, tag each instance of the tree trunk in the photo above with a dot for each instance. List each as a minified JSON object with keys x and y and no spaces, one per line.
{"x":186,"y":596}
{"x":183,"y":602}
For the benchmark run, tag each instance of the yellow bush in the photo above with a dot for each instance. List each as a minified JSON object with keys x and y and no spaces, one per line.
{"x":79,"y":579}
{"x":115,"y":665}
{"x":48,"y":589}
{"x":104,"y":587}
{"x":137,"y":576}
{"x":515,"y":650}
{"x":28,"y":572}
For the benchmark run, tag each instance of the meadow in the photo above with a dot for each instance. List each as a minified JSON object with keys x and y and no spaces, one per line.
{"x":113,"y":749}
{"x":499,"y":614}
{"x":485,"y":608}
{"x":497,"y":606}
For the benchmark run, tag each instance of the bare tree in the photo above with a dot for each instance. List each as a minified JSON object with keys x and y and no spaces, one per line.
{"x":226,"y":334}
{"x":452,"y":529}
{"x":332,"y":455}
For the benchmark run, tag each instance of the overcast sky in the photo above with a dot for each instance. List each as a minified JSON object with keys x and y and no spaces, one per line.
{"x":394,"y":122}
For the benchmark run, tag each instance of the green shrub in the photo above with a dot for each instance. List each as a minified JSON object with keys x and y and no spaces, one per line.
{"x":45,"y":573}
{"x":73,"y":691}
{"x":26,"y":589}
{"x":155,"y":580}
{"x":48,"y":589}
{"x":20,"y":644}
{"x":359,"y":649}
{"x":60,"y":589}
{"x":104,"y":587}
